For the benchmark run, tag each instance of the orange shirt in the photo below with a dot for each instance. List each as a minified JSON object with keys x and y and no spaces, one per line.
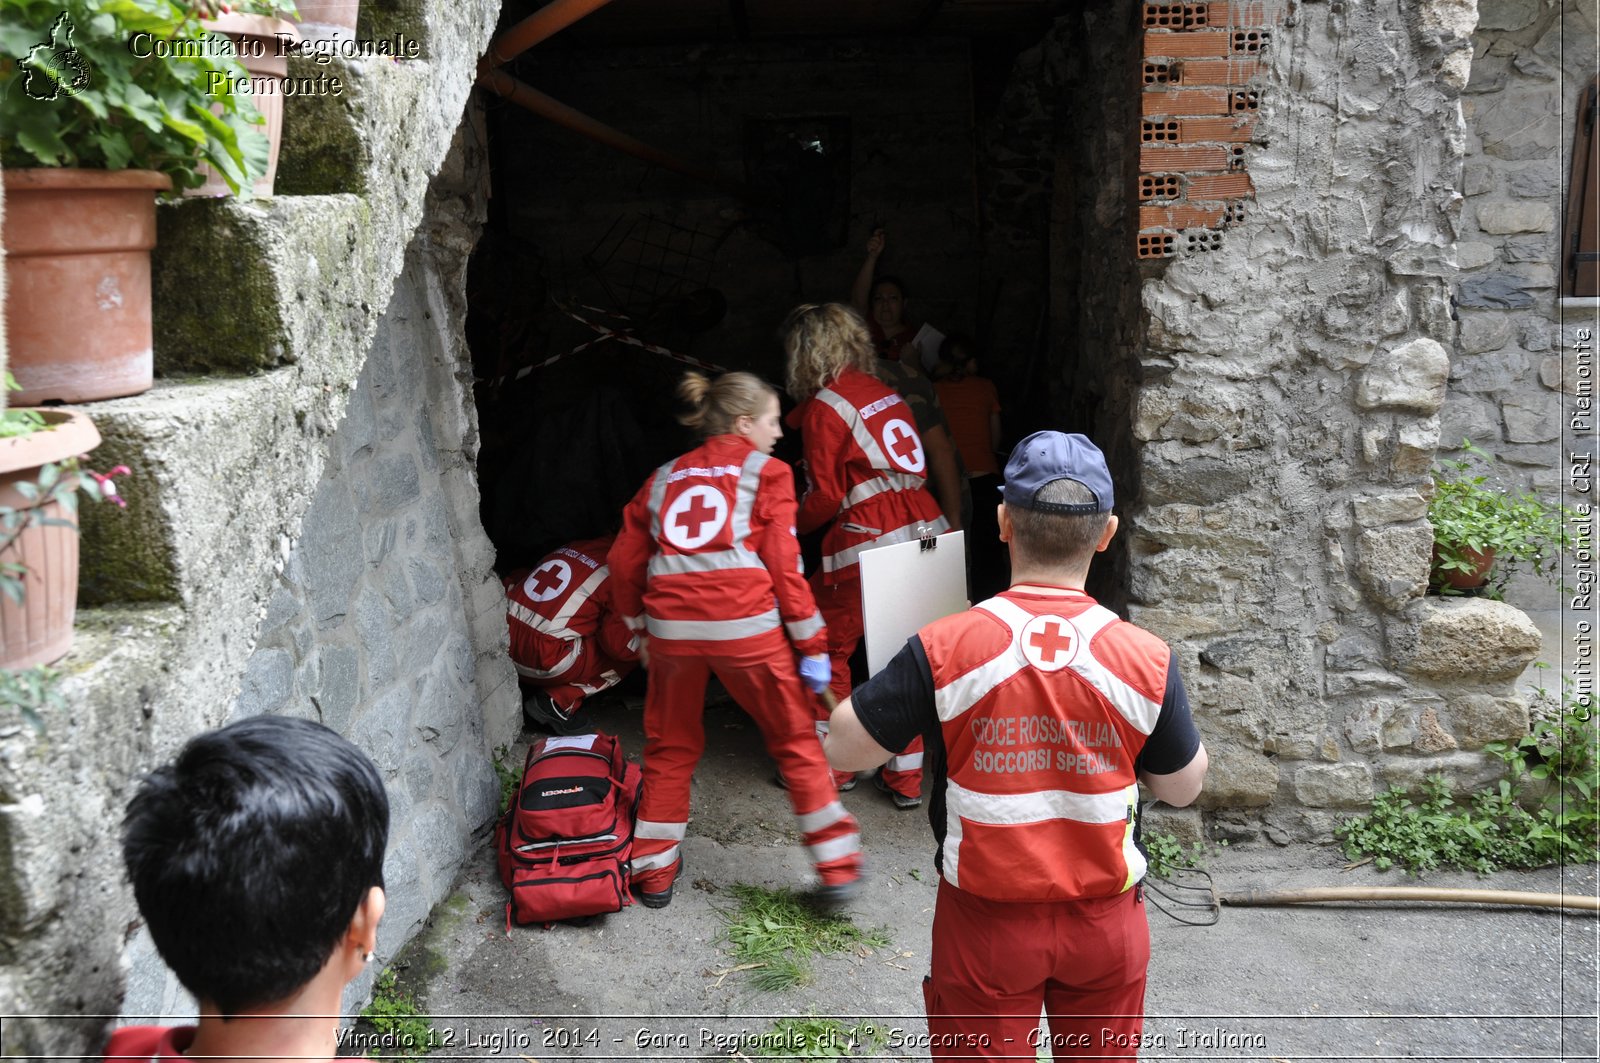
{"x":968,"y":403}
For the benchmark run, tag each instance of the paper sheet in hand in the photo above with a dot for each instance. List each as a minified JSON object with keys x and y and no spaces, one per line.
{"x":904,"y":587}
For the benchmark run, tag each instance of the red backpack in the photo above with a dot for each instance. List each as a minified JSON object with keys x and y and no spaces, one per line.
{"x":564,"y":843}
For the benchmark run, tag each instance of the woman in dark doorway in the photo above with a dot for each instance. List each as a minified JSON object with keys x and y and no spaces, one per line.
{"x":881,"y":302}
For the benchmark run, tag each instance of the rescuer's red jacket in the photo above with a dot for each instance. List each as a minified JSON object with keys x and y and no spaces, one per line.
{"x":562,"y":600}
{"x":707,"y":555}
{"x":867,"y":471}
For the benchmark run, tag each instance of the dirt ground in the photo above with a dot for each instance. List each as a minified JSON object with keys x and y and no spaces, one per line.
{"x":1350,"y":981}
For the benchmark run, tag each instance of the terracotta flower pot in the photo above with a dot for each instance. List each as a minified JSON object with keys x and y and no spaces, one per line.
{"x":328,"y":20}
{"x":40,"y":629}
{"x":262,"y":45}
{"x":1482,"y":562}
{"x":78,"y":282}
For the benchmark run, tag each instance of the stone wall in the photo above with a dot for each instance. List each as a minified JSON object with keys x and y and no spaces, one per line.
{"x":1286,"y":416}
{"x":1532,"y":60}
{"x":388,"y":623}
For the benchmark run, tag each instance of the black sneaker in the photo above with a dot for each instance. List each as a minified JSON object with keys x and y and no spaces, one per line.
{"x":901,"y":801}
{"x":656,"y":900}
{"x":839,"y":895}
{"x":541,"y":713}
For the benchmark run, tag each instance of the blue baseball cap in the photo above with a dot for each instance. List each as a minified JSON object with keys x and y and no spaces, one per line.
{"x":1045,"y":457}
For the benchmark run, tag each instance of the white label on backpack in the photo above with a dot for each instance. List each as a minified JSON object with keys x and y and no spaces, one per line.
{"x":571,"y":742}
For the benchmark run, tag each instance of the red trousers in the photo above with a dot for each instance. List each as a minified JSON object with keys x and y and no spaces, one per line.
{"x":760,"y":675}
{"x":571,"y":676}
{"x":840,"y":605}
{"x":995,"y":963}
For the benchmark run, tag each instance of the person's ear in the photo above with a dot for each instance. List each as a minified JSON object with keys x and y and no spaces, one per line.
{"x":1109,"y":534}
{"x":1004,"y":520}
{"x":363,"y":932}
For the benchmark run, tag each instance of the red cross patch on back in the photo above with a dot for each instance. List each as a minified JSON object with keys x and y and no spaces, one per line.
{"x":1049,"y":642}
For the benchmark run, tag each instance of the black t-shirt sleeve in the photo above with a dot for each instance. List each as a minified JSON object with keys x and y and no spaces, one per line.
{"x":1174,"y":741}
{"x":896,"y":705}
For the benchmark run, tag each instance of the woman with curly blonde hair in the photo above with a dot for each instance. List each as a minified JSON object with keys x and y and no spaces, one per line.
{"x":867,"y":471}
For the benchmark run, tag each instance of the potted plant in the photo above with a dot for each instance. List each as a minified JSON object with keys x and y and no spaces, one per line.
{"x":40,"y":474}
{"x":107,"y":103}
{"x":1483,"y":532}
{"x":262,"y":36}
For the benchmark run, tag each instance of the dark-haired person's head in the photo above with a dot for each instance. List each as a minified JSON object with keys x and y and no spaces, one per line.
{"x":256,"y":857}
{"x":1057,"y":500}
{"x":887,"y":301}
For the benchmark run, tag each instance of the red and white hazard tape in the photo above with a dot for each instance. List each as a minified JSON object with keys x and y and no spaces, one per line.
{"x":606,"y":332}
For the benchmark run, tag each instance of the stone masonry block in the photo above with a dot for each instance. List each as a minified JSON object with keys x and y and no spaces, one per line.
{"x":1239,"y":777}
{"x":1333,"y":785}
{"x":1409,"y":377}
{"x":1483,"y":332}
{"x":1373,"y":510}
{"x":1531,"y":417}
{"x":268,"y":682}
{"x":1494,"y":291}
{"x":1478,"y":719}
{"x":339,"y":677}
{"x":1470,"y":639}
{"x":1515,"y":217}
{"x":1393,"y":563}
{"x":326,"y":147}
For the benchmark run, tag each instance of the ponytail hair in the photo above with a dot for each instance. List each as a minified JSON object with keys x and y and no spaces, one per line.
{"x":713,"y":405}
{"x":822,"y":342}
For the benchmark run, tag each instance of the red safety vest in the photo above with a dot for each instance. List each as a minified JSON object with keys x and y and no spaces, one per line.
{"x":565,"y":597}
{"x":1044,"y":703}
{"x":707,"y":554}
{"x":867,"y":470}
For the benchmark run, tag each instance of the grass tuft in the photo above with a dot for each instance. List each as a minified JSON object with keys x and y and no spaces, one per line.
{"x":781,"y":931}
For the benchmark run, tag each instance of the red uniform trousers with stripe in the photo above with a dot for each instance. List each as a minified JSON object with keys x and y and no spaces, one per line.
{"x":591,"y":672}
{"x":759,"y":673}
{"x":840,"y":606}
{"x":995,"y":963}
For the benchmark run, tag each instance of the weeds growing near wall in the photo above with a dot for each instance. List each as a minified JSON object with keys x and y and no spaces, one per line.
{"x":1165,"y":853}
{"x":1547,"y":811}
{"x":402,"y":1031}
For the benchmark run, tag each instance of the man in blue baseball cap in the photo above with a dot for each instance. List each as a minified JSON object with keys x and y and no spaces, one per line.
{"x":1042,"y":713}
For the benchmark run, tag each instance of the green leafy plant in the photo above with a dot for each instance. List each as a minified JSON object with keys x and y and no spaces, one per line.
{"x":1471,"y":513}
{"x":403,"y":1031}
{"x":811,"y":1037}
{"x":777,"y":932}
{"x":58,"y":484}
{"x":507,"y":774}
{"x":31,"y":691}
{"x":1166,"y":854}
{"x":125,"y":84}
{"x":1547,"y":810}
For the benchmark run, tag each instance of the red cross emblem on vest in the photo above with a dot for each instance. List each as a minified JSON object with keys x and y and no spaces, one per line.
{"x":695,"y":517}
{"x":1049,"y":642}
{"x":547,"y":581}
{"x":903,"y":445}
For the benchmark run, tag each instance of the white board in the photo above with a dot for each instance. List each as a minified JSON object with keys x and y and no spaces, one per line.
{"x":904,"y":587}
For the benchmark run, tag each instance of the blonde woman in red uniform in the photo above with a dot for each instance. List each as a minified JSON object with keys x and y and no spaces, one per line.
{"x":708,"y":568}
{"x":867,"y":471}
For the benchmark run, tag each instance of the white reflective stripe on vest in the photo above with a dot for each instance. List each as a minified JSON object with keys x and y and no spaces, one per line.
{"x":893,"y":481}
{"x":835,"y":848}
{"x":905,"y":762}
{"x":744,"y":500}
{"x":1009,"y":810}
{"x":658,"y":496}
{"x":543,"y":625}
{"x":904,"y":534}
{"x":826,"y":816}
{"x":858,"y":426}
{"x":713,"y":630}
{"x":560,"y":666}
{"x":1132,"y":705}
{"x":672,"y":832}
{"x":570,"y":609}
{"x":715,"y":561}
{"x":800,"y":630}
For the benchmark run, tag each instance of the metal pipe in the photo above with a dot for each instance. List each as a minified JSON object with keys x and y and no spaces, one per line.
{"x":544,"y":23}
{"x":503,"y":84}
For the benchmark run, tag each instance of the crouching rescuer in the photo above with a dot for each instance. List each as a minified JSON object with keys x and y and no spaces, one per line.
{"x":1042,"y":712}
{"x":707,"y":565}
